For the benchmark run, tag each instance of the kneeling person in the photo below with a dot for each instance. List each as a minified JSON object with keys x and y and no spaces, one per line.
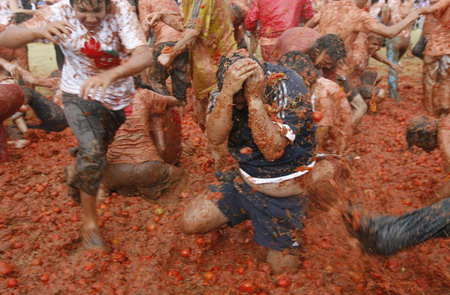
{"x":268,"y":125}
{"x":145,"y":146}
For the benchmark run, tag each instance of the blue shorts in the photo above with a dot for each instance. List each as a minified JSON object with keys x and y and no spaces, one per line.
{"x":277,"y":221}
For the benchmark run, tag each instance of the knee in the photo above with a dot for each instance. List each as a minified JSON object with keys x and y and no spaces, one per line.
{"x":188,"y":223}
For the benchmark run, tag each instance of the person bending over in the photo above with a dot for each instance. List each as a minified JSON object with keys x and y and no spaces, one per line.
{"x":332,"y":110}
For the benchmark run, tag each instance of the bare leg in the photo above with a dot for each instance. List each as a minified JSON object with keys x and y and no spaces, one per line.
{"x":359,"y":109}
{"x":281,"y":262}
{"x":200,"y":106}
{"x":201,"y":216}
{"x":91,"y":231}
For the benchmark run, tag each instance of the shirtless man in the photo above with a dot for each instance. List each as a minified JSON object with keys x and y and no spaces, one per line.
{"x":397,"y":46}
{"x":274,"y":147}
{"x":141,"y":157}
{"x":437,"y":60}
{"x":362,"y":80}
{"x":11,"y":12}
{"x":347,"y":19}
{"x":332,"y":110}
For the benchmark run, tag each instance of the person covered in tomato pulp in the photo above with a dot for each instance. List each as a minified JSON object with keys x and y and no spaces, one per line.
{"x":264,"y":112}
{"x":95,"y":37}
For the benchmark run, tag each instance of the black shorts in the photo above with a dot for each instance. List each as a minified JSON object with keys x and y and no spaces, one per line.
{"x":277,"y":221}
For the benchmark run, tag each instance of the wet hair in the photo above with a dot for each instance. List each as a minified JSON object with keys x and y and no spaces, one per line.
{"x":302,"y":64}
{"x":21,"y":17}
{"x":332,"y":43}
{"x":378,"y":38}
{"x":227,"y":60}
{"x":92,"y":3}
{"x":421,"y":131}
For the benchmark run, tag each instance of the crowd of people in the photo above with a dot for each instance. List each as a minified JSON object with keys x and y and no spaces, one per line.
{"x":286,"y":118}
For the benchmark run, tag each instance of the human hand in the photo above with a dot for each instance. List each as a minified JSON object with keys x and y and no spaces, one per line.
{"x":55,"y":29}
{"x":165,"y":59}
{"x":237,"y":73}
{"x":94,"y":83}
{"x":396,"y":68}
{"x":152,"y":18}
{"x":16,"y":72}
{"x":255,"y":85}
{"x":413,"y":14}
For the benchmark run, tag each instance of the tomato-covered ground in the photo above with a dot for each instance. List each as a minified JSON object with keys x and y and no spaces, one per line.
{"x":40,"y":250}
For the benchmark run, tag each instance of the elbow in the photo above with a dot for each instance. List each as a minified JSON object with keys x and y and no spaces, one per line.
{"x":214,"y":138}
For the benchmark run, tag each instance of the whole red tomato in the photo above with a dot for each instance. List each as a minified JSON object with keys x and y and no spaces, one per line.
{"x":12,"y":282}
{"x":185,"y":252}
{"x":317,"y":116}
{"x":5,"y":268}
{"x":248,"y":287}
{"x":284,"y":282}
{"x":200,"y":242}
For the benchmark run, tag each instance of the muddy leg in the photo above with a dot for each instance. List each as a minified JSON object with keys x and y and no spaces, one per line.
{"x":201,"y":216}
{"x":281,"y":262}
{"x":392,"y":53}
{"x":359,"y":109}
{"x":430,"y":74}
{"x":91,"y":232}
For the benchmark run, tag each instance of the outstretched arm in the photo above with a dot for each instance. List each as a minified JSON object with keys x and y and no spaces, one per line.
{"x":16,"y":36}
{"x":189,"y":36}
{"x":18,"y":72}
{"x":384,"y":60}
{"x":394,"y":30}
{"x":141,"y":58}
{"x":442,"y":4}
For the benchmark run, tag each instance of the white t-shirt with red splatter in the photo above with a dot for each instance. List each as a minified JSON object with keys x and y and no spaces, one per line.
{"x":90,"y":53}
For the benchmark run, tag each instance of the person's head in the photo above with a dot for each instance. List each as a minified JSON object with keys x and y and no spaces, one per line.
{"x":238,"y":14}
{"x":90,"y":12}
{"x":302,"y":64}
{"x":327,"y":51}
{"x":228,"y":60}
{"x":421,"y":131}
{"x":375,"y":42}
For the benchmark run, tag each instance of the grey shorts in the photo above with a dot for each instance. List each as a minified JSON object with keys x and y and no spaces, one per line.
{"x":94,"y":127}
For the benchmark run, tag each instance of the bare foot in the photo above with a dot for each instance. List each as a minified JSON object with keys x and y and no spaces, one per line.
{"x":92,"y":239}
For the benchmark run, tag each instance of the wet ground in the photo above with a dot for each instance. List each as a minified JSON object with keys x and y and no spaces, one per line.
{"x":40,"y":250}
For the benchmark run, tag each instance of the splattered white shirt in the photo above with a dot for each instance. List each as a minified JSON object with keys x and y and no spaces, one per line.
{"x":5,"y":12}
{"x":90,"y":53}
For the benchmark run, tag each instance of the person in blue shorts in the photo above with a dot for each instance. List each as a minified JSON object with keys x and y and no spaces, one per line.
{"x":264,"y":112}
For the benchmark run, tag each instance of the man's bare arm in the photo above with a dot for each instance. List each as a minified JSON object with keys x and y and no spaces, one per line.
{"x":16,"y":36}
{"x":189,"y":36}
{"x":141,"y":57}
{"x":267,"y":134}
{"x":219,"y":121}
{"x":384,"y":60}
{"x":394,"y":30}
{"x":312,"y":23}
